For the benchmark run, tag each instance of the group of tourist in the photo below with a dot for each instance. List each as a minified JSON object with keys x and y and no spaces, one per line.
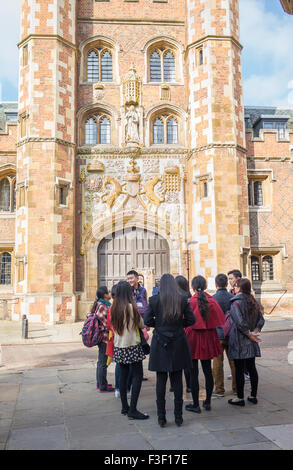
{"x":187,"y":329}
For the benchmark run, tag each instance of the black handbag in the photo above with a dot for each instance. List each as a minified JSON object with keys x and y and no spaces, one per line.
{"x":144,"y":344}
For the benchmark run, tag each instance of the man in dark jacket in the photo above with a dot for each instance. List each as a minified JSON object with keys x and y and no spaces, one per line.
{"x":223,"y":297}
{"x":139,"y":294}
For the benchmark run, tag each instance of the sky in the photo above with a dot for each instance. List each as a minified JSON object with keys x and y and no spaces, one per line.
{"x":267,"y":59}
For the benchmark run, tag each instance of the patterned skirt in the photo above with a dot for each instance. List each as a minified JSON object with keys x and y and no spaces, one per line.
{"x":128,"y":355}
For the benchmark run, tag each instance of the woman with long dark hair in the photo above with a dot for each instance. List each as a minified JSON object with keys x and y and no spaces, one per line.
{"x":203,"y":340}
{"x":183,"y":285}
{"x":100,"y":308}
{"x":248,"y":321}
{"x":125,"y":322}
{"x":169,"y":312}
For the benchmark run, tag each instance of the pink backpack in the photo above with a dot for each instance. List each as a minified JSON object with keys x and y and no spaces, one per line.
{"x":91,"y":333}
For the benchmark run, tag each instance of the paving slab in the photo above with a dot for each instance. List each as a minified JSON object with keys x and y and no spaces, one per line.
{"x":239,"y":437}
{"x":5,"y":425}
{"x":39,"y":438}
{"x":281,"y":435}
{"x":8,"y":392}
{"x":35,"y":417}
{"x":190,"y":441}
{"x":256,"y":446}
{"x":7,"y":409}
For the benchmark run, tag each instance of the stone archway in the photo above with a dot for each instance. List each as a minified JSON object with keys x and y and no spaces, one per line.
{"x":129,"y":248}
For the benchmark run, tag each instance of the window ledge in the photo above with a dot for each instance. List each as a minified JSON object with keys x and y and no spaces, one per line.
{"x":166,"y":146}
{"x":100,"y":83}
{"x":6,"y":289}
{"x":164,"y":83}
{"x":7,"y":215}
{"x":260,"y":209}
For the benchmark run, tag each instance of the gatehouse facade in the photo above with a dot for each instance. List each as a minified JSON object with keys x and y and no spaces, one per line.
{"x":130,"y":148}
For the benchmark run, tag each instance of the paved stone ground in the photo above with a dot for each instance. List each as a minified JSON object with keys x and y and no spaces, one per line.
{"x":48,"y":400}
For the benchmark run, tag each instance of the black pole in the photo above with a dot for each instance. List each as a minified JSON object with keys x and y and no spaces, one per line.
{"x":24,"y":327}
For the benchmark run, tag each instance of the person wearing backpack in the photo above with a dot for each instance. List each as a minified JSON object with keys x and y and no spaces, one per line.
{"x":248,"y":321}
{"x":126,"y":322}
{"x":223,"y":297}
{"x":100,"y":308}
{"x":169,"y":313}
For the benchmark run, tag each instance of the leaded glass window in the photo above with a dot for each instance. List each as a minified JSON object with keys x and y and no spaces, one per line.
{"x":5,"y":195}
{"x":93,"y":69}
{"x":105,"y":131}
{"x":99,"y":66}
{"x":169,"y":67}
{"x":5,"y":268}
{"x":255,"y":269}
{"x":155,"y":67}
{"x":91,"y":132}
{"x":267,"y":268}
{"x":158,"y":137}
{"x":172,"y":131}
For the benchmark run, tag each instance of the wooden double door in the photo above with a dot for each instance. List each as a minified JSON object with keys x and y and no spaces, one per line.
{"x":131,"y":248}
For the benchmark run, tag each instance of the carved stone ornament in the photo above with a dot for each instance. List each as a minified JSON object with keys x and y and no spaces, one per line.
{"x":98,"y":91}
{"x":94,"y":183}
{"x":133,"y":190}
{"x":172,"y":179}
{"x":132,"y":87}
{"x":96,"y":166}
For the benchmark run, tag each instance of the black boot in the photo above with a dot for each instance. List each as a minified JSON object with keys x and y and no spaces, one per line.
{"x":178,"y":405}
{"x":161,"y":412}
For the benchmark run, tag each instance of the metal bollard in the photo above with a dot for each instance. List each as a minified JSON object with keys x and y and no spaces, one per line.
{"x":24,"y":327}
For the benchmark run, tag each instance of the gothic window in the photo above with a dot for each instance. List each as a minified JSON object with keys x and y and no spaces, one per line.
{"x":7,"y":194}
{"x":99,"y":65}
{"x":93,"y":67}
{"x":5,"y":268}
{"x":165,"y":130}
{"x":105,"y":131}
{"x":172,"y":131}
{"x":155,"y":67}
{"x":98,"y":130}
{"x":91,"y":132}
{"x":169,"y":67}
{"x":162,"y":65}
{"x":158,"y":131}
{"x":262,"y":268}
{"x":106,"y":67}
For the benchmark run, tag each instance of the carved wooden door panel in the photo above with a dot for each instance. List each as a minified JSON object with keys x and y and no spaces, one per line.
{"x":131,"y":248}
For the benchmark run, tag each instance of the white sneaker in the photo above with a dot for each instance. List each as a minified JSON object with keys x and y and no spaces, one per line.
{"x":218,"y":395}
{"x":229,"y":377}
{"x":117,"y":393}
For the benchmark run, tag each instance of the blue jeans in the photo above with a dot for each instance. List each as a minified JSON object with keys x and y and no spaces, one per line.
{"x":117,"y":377}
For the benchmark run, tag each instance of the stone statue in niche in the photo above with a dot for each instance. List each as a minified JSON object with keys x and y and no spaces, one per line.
{"x":132,"y":125}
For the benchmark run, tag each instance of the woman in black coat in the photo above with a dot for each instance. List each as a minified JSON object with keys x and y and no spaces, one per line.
{"x":248,"y":321}
{"x":169,"y":313}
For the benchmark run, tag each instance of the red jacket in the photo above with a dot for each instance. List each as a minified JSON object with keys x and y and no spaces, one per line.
{"x":202,"y":336}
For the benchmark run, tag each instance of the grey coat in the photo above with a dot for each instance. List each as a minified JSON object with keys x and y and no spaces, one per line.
{"x":240,"y":345}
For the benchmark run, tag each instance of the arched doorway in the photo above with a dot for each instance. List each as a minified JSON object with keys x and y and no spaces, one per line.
{"x":131,"y":248}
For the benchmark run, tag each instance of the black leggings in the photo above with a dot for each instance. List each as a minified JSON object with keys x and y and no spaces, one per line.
{"x":240,"y":366}
{"x":177,"y":385}
{"x":209,"y":380}
{"x":137,"y":374}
